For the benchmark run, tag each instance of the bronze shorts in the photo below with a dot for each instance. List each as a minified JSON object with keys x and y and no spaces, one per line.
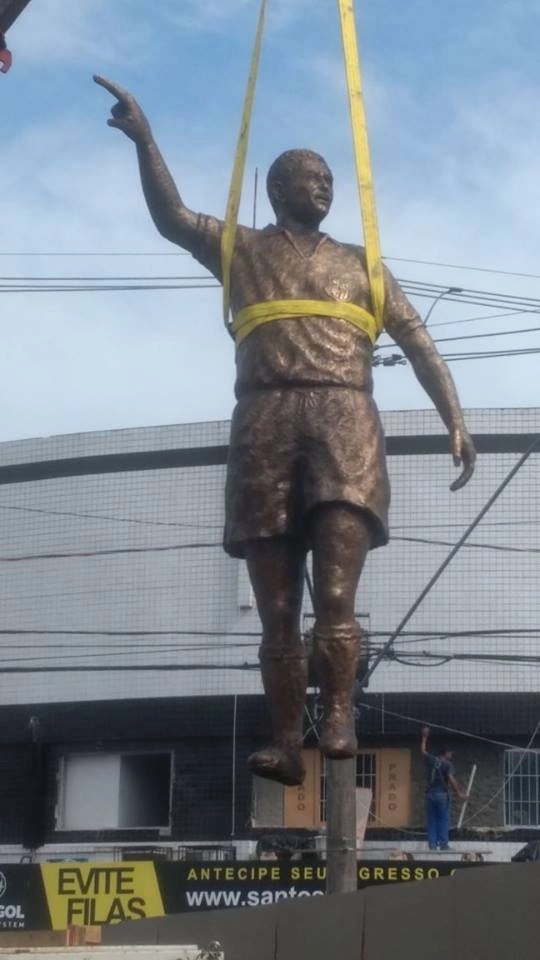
{"x":294,"y":448}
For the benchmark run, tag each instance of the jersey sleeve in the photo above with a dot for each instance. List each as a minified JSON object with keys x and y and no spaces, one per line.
{"x":205,"y":243}
{"x":400,"y":317}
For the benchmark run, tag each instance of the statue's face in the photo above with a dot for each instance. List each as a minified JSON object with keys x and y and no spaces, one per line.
{"x":307,"y":191}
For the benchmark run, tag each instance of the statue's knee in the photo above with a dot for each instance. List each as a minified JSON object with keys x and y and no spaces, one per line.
{"x":334,"y":602}
{"x":282,"y":615}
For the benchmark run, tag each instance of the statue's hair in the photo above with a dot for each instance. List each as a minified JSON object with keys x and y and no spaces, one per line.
{"x":286,"y":164}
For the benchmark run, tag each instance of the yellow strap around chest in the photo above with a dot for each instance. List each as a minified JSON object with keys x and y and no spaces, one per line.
{"x":353,"y":74}
{"x":250,"y":318}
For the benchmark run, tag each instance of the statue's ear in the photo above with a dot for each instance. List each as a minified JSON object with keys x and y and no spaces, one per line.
{"x":277,"y":193}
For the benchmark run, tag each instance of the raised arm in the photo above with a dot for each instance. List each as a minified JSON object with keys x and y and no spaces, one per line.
{"x":405,"y":326}
{"x":167,"y":209}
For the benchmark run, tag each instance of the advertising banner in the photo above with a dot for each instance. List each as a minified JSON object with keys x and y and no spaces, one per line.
{"x":55,"y":896}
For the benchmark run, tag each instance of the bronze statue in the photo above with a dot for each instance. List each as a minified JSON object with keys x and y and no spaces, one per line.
{"x":306,"y":467}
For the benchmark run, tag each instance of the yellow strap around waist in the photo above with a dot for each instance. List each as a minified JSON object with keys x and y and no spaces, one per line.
{"x":249,"y":318}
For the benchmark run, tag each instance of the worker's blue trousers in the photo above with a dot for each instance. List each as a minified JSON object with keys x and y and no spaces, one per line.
{"x":438,"y":818}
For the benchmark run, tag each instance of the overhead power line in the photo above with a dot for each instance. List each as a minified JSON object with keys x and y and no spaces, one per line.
{"x":473,"y":336}
{"x":463,"y":266}
{"x":185,"y":253}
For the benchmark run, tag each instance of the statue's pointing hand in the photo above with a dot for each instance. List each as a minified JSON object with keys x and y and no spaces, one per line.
{"x":127,"y":115}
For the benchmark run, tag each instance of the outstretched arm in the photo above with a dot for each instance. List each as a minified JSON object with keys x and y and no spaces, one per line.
{"x":424,"y":740}
{"x":169,"y":213}
{"x":407,"y":329}
{"x":433,"y":374}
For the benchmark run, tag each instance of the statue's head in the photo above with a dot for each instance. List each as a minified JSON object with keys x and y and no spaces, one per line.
{"x":300,"y":183}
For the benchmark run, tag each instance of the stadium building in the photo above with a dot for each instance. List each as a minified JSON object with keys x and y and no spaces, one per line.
{"x":130,"y":693}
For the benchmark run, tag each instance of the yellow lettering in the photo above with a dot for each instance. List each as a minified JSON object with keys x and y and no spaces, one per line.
{"x":295,"y":873}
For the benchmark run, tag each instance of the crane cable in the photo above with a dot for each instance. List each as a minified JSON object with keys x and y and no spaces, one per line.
{"x":251,"y":317}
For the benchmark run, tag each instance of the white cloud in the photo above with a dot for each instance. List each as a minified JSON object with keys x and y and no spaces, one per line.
{"x":460,"y":188}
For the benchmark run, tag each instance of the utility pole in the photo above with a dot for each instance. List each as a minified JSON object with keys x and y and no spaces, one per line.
{"x":341,"y":826}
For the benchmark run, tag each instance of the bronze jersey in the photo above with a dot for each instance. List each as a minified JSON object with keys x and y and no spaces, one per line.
{"x":305,"y":351}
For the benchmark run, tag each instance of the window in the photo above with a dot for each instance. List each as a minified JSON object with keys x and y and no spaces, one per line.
{"x":366,"y":776}
{"x":522,"y":788}
{"x":385,"y":772}
{"x":114,"y":791}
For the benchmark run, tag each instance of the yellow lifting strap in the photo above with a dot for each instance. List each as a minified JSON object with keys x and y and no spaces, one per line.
{"x":237,"y":178}
{"x":251,"y":317}
{"x":363,"y":162}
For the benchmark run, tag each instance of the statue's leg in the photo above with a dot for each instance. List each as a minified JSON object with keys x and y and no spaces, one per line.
{"x":276,"y":570}
{"x":340,"y":541}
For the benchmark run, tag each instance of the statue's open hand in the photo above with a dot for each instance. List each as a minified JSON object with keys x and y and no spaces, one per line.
{"x":464,"y":454}
{"x":127,"y":115}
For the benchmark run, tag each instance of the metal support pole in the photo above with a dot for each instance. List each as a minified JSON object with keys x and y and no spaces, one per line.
{"x":341,"y":826}
{"x":464,"y":805}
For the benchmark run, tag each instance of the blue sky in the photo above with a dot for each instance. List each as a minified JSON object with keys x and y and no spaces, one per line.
{"x":452,"y":96}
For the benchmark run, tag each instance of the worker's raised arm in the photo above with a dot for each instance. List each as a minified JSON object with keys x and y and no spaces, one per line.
{"x":172,"y":218}
{"x":424,"y":740}
{"x":405,"y":326}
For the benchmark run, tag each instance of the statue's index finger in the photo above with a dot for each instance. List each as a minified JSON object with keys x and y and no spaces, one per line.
{"x":464,"y":478}
{"x":113,"y":88}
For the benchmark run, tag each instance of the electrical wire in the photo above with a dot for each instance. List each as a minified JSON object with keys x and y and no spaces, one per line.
{"x":116,"y":288}
{"x":470,"y":546}
{"x":490,"y":354}
{"x":413,"y":287}
{"x":184,"y":253}
{"x":102,"y":516}
{"x":507,"y":779}
{"x":474,"y":336}
{"x":448,"y":559}
{"x":413,"y":658}
{"x":467,"y":734}
{"x":95,"y":253}
{"x":396,"y":359}
{"x":113,"y":551}
{"x":462,"y":266}
{"x":485,"y":316}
